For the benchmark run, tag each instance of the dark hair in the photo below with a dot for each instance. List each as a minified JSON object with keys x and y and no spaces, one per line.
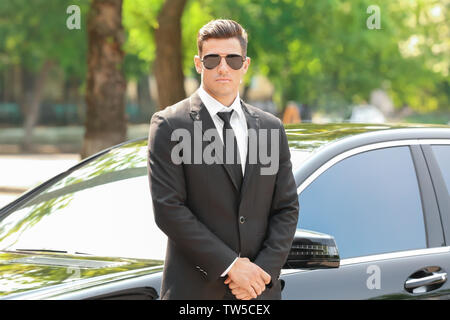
{"x":222,"y":29}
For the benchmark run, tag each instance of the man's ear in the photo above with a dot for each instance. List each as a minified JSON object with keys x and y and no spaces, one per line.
{"x":246,"y":64}
{"x":198,"y":64}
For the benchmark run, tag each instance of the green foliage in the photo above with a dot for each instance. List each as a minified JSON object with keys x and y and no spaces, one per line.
{"x":32,"y":32}
{"x":140,"y":21}
{"x":139,"y":18}
{"x":317,"y":52}
{"x":322,"y":52}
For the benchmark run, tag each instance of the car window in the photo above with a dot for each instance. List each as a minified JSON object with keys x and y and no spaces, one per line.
{"x":103,"y":208}
{"x":369,"y":202}
{"x":442,"y":155}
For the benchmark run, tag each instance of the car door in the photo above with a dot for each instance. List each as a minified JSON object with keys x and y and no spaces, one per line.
{"x":378,"y":202}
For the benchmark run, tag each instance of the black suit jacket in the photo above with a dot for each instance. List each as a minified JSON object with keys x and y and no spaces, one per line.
{"x":207,"y":219}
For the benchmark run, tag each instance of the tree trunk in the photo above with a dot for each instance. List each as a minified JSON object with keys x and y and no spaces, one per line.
{"x":168,"y":63}
{"x":33,"y":105}
{"x":105,"y":123}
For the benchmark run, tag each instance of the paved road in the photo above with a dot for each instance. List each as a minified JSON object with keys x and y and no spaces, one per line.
{"x":19,"y":173}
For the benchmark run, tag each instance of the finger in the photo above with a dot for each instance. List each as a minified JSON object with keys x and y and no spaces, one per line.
{"x":244,"y":296}
{"x":266,"y":277}
{"x":262,"y":285}
{"x":257,"y":288}
{"x":259,"y":285}
{"x":240,"y":294}
{"x":233,"y":285}
{"x":239,"y":290}
{"x":252,"y":292}
{"x":261,"y":282}
{"x":227,"y":280}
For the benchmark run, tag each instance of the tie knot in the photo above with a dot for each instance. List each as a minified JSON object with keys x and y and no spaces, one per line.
{"x":225,"y":116}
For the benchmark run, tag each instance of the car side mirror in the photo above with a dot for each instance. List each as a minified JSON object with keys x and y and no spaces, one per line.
{"x":312,"y":250}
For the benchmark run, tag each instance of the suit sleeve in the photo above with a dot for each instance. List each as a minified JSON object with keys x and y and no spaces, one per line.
{"x":283,"y":215}
{"x":173,"y":217}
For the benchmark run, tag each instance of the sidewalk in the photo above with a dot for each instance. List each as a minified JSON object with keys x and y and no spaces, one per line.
{"x":55,"y":149}
{"x":18,"y":173}
{"x":52,"y":140}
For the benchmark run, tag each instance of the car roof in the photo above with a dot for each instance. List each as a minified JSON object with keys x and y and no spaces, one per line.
{"x":330,"y":140}
{"x":309,"y":137}
{"x":305,"y":138}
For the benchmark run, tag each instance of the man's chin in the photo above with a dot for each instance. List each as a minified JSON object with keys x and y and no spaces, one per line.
{"x":224,"y":92}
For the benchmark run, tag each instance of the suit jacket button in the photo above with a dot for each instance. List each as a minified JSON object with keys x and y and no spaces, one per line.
{"x":242,"y":219}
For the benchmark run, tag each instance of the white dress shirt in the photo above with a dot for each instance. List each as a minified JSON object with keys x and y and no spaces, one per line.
{"x":239,"y":124}
{"x":238,"y":121}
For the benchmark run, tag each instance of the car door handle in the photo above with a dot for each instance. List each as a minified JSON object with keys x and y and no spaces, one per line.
{"x":435,"y":278}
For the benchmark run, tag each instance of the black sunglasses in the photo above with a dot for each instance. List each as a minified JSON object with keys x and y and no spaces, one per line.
{"x":211,"y":61}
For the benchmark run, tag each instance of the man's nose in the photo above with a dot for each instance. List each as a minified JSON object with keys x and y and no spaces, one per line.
{"x":223,"y":66}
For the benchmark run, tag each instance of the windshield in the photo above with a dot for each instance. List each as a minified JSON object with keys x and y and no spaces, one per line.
{"x":103,"y":208}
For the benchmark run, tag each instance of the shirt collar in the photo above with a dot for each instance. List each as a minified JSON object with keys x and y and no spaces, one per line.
{"x":215,"y":106}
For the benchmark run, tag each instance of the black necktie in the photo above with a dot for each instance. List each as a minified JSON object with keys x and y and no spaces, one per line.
{"x":235,"y":165}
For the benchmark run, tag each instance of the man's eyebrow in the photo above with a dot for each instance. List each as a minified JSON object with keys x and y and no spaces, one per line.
{"x":223,"y":54}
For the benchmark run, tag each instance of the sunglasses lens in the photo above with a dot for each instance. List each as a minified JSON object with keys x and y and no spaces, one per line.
{"x":211,"y":61}
{"x":235,"y":61}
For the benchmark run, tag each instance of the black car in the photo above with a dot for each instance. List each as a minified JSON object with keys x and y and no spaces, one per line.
{"x":374,"y":221}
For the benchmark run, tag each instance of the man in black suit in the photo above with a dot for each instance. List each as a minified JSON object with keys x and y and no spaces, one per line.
{"x":229,"y":210}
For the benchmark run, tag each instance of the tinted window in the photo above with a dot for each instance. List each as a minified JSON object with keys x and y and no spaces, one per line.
{"x":442,"y":154}
{"x":103,"y":208}
{"x":369,"y":202}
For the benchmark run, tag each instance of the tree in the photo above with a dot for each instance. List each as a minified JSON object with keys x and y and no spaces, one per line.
{"x":322,"y":53}
{"x":34,"y":39}
{"x":163,"y":34}
{"x":105,"y":93}
{"x":168,"y":64}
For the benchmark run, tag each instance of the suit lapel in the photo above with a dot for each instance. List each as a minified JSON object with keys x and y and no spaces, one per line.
{"x":200,"y":113}
{"x":252,"y":125}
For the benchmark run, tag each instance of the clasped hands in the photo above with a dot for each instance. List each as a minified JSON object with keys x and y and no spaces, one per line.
{"x":246,"y":280}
